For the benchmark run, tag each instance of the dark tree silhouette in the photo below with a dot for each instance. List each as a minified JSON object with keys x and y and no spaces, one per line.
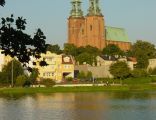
{"x":2,"y":2}
{"x":16,"y":43}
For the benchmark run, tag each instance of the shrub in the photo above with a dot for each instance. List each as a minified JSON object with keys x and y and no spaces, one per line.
{"x":152,"y":71}
{"x":69,"y":79}
{"x":81,"y":75}
{"x":20,"y":81}
{"x":89,"y":75}
{"x":48,"y":82}
{"x":139,"y":73}
{"x":120,"y":70}
{"x":27,"y":83}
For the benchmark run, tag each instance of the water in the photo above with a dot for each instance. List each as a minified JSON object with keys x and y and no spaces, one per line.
{"x":79,"y":106}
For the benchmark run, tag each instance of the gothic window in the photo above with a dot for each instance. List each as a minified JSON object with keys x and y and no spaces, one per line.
{"x":72,"y":29}
{"x":82,"y":31}
{"x":91,"y":27}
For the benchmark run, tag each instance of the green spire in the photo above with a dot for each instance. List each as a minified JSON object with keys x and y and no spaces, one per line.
{"x":94,"y":8}
{"x":76,"y":9}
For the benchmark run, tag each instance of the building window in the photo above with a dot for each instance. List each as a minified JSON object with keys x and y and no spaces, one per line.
{"x":82,"y":31}
{"x":73,"y":30}
{"x":66,"y":66}
{"x":91,"y":27}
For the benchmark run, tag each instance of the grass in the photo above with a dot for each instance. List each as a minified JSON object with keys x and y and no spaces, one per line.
{"x":76,"y":89}
{"x":130,"y":84}
{"x":59,"y":89}
{"x":130,"y":81}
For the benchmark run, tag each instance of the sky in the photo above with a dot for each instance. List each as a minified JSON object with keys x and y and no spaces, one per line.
{"x":137,"y":17}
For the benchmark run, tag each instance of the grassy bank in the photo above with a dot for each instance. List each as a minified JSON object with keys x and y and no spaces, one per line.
{"x":129,"y":81}
{"x":130,"y":84}
{"x":76,"y":89}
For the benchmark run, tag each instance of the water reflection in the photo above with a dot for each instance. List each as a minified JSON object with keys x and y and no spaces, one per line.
{"x":79,"y":106}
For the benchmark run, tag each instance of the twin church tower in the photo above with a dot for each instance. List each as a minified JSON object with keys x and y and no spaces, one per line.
{"x":91,"y":29}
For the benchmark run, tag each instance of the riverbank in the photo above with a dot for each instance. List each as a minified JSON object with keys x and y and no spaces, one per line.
{"x":146,"y":87}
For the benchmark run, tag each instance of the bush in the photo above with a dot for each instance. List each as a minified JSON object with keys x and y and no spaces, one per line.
{"x":152,"y":71}
{"x":120,"y":70}
{"x":89,"y":75}
{"x":48,"y":82}
{"x":139,"y":73}
{"x":81,"y":75}
{"x":153,"y":79}
{"x":69,"y":79}
{"x":138,"y":80}
{"x":27,"y":83}
{"x":20,"y":81}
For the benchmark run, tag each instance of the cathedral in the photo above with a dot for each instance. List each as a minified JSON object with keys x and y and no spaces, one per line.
{"x":91,"y":29}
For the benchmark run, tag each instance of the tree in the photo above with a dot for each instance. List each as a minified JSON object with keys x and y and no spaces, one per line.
{"x":14,"y":66}
{"x":21,"y":80}
{"x":89,"y":75}
{"x":86,"y":58}
{"x":70,"y":49}
{"x":92,"y":50}
{"x":2,"y":2}
{"x":143,"y":51}
{"x":112,"y":50}
{"x":81,"y":75}
{"x":120,"y":70}
{"x":33,"y":76}
{"x":54,"y":49}
{"x":16,"y":43}
{"x":139,"y":73}
{"x":81,"y":50}
{"x":152,"y":71}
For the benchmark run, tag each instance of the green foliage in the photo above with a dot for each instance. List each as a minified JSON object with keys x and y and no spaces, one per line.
{"x":33,"y":76}
{"x":48,"y":82}
{"x":7,"y":71}
{"x":81,"y":75}
{"x":120,"y":70}
{"x":85,"y":58}
{"x":138,"y":73}
{"x":70,"y":49}
{"x":143,"y":51}
{"x":152,"y":71}
{"x":85,"y":76}
{"x":142,"y":62}
{"x":69,"y":79}
{"x":16,"y":43}
{"x":2,"y":2}
{"x":21,"y":80}
{"x":92,"y":50}
{"x":89,"y":75}
{"x":54,"y":49}
{"x":86,"y":54}
{"x":4,"y":79}
{"x":112,"y":50}
{"x":137,"y":80}
{"x":129,"y":53}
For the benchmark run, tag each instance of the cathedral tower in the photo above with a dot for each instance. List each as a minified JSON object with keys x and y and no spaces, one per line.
{"x":75,"y":23}
{"x":95,"y":25}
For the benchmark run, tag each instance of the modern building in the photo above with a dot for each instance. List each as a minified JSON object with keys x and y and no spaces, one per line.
{"x":59,"y":67}
{"x":91,"y":29}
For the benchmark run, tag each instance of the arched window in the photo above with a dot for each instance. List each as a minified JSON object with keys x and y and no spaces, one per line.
{"x":91,"y":27}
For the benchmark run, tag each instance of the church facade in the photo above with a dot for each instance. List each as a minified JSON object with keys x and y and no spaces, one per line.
{"x":91,"y":29}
